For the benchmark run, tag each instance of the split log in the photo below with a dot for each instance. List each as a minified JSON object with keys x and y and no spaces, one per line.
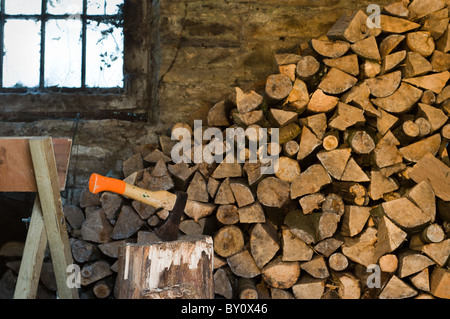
{"x":280,"y":117}
{"x":390,"y":43}
{"x":330,"y":49}
{"x":247,"y":102}
{"x":421,"y":280}
{"x":128,"y":223}
{"x":367,"y":48}
{"x":253,"y":213}
{"x":349,"y":286}
{"x":397,"y":289}
{"x":405,"y":214}
{"x":336,"y":82}
{"x":308,"y":143}
{"x":197,"y":190}
{"x":354,"y":220}
{"x":321,"y":102}
{"x":421,"y":42}
{"x":298,"y":99}
{"x":309,"y":288}
{"x":222,"y":284}
{"x":392,"y":24}
{"x":391,"y":61}
{"x":218,"y":114}
{"x":348,"y":63}
{"x":242,"y":264}
{"x":295,"y":249}
{"x":412,"y":262}
{"x":434,"y":82}
{"x":349,"y":27}
{"x":74,"y":216}
{"x":316,"y":268}
{"x":430,"y":169}
{"x":435,"y":116}
{"x":346,"y":116}
{"x":242,"y":193}
{"x":416,"y":65}
{"x":263,"y":243}
{"x":111,"y":205}
{"x":401,"y":100}
{"x":310,"y":181}
{"x":311,"y":202}
{"x":335,"y":161}
{"x":440,"y":283}
{"x":132,"y":164}
{"x":197,"y":210}
{"x":96,"y":227}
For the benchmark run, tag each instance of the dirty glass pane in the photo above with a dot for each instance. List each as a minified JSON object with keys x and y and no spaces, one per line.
{"x":23,"y":6}
{"x":104,"y":55}
{"x":21,"y":60}
{"x":63,"y":49}
{"x":96,"y":7}
{"x":64,"y":6}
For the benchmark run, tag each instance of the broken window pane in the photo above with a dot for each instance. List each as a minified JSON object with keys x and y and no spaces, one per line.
{"x":21,"y":59}
{"x":104,"y":55}
{"x":97,"y":7}
{"x":63,"y":49}
{"x":23,"y":6}
{"x":64,"y":6}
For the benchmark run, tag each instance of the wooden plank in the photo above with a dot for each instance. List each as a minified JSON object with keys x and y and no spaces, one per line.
{"x":44,"y":165}
{"x":33,"y":256}
{"x":16,"y":169}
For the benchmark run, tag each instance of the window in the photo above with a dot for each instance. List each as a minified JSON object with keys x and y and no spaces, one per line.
{"x":61,"y":45}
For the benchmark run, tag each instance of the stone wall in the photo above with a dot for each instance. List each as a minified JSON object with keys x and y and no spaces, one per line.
{"x":200,"y":51}
{"x":208,"y":47}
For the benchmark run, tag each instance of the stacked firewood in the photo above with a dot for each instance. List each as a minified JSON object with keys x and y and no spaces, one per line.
{"x":359,"y":205}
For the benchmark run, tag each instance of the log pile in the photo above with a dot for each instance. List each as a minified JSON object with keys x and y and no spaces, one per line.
{"x":362,"y":181}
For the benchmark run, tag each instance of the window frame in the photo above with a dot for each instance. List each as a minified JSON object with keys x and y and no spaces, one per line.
{"x":130,"y":102}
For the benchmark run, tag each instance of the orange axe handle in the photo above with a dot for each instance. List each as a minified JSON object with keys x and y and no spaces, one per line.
{"x":164,"y":199}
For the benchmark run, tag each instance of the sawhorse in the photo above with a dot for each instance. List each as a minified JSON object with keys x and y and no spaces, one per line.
{"x":39,"y":164}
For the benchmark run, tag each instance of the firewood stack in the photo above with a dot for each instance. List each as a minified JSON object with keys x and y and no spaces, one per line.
{"x":363,"y":179}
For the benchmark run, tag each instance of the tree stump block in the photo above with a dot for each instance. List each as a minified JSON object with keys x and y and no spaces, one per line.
{"x":180,"y":269}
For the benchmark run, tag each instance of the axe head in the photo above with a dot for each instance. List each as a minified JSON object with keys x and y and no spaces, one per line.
{"x":169,"y":230}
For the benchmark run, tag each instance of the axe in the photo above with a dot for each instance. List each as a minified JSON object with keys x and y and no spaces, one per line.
{"x":175,"y":203}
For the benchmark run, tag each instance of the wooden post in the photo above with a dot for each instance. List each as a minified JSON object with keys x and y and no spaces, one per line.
{"x":46,"y":173}
{"x":180,"y":269}
{"x":33,"y":256}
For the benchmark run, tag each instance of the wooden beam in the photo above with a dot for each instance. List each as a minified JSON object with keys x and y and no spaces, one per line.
{"x":46,"y":175}
{"x":33,"y":256}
